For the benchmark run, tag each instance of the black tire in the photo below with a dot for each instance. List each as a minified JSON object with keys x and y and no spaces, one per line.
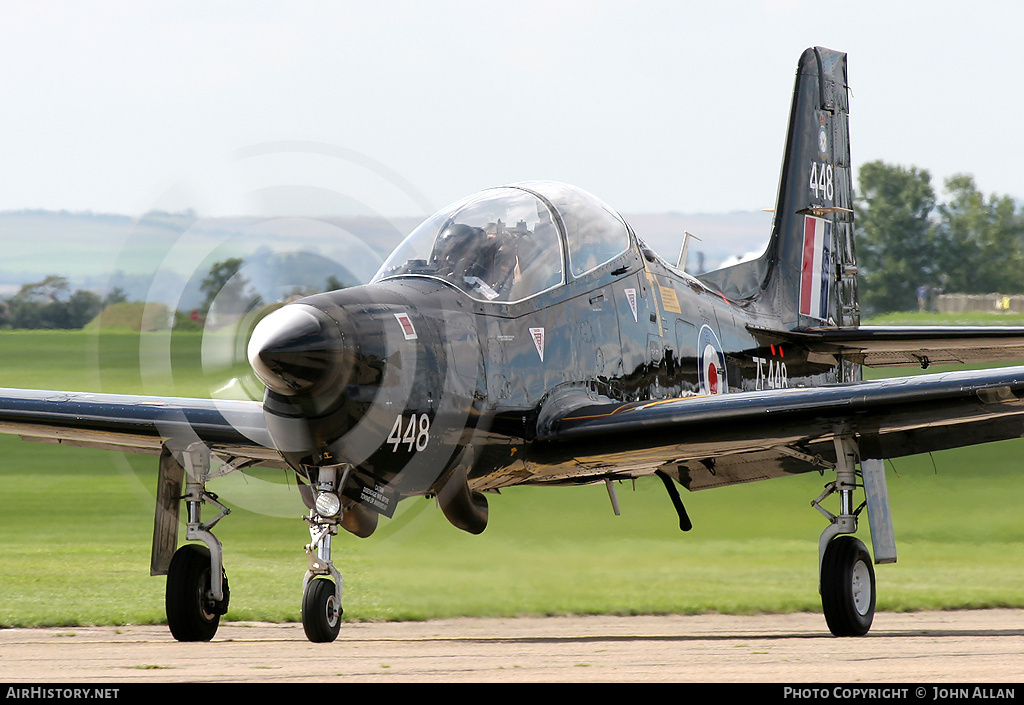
{"x":191,"y":614}
{"x":321,"y":615}
{"x":847,"y":587}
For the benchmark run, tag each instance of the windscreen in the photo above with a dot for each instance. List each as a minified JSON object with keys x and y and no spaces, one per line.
{"x":501,"y":245}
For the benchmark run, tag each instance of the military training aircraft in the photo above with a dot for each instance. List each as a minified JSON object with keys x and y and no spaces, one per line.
{"x":526,"y":335}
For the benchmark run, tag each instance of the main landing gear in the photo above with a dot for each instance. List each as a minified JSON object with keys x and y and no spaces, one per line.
{"x":197,"y":591}
{"x":847,"y":578}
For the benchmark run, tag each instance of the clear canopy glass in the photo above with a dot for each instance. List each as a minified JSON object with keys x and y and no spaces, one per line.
{"x":506,"y":244}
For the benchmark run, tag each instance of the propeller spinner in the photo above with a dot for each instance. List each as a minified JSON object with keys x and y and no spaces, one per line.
{"x":297,"y":349}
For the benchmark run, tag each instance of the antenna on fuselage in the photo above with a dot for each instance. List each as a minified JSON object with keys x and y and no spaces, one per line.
{"x":681,"y":263}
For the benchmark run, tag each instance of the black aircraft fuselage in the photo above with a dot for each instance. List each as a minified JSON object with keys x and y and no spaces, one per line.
{"x":412,"y":378}
{"x":516,"y":309}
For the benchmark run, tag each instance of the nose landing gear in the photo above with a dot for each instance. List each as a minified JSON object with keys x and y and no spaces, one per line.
{"x":322,"y":585}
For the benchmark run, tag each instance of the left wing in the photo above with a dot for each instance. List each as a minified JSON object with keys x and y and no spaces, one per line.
{"x":138,"y":424}
{"x":709,"y":441}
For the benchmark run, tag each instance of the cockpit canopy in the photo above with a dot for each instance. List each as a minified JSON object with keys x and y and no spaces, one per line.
{"x":510,"y":243}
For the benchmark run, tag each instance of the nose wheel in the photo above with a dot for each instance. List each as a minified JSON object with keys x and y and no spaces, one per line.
{"x":321,"y":611}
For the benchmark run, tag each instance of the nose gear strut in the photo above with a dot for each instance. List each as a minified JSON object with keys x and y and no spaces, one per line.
{"x":322,"y":584}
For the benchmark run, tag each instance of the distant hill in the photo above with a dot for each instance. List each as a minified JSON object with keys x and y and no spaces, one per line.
{"x":136,"y":316}
{"x":164,"y":256}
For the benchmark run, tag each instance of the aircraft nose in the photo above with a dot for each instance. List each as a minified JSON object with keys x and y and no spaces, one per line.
{"x":295,"y":349}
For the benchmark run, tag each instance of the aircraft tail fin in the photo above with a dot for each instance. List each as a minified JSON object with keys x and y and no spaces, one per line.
{"x":808,"y":275}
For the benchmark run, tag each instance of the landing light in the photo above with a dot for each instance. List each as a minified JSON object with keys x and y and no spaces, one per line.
{"x":328,"y":504}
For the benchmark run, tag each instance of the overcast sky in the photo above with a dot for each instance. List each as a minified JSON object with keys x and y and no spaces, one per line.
{"x":402,"y":107}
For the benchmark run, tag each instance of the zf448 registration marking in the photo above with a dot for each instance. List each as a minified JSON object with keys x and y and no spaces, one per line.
{"x":771,"y":374}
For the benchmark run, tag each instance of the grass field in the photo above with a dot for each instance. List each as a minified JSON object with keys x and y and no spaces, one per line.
{"x":76,"y":528}
{"x":931,"y":318}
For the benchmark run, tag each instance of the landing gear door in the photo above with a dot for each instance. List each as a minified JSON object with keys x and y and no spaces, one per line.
{"x":638,"y":317}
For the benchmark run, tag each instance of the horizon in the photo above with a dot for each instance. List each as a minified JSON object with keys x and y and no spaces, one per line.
{"x":160,"y":257}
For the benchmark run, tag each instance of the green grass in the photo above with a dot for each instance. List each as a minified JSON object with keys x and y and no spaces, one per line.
{"x":76,"y":526}
{"x":930,"y":318}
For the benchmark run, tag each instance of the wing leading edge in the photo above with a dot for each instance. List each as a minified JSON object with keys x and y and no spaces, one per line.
{"x":725,"y":439}
{"x":138,"y":424}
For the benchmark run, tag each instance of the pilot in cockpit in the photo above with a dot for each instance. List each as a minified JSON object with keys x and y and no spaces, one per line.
{"x":455,"y":250}
{"x":502,"y":258}
{"x":480,"y":261}
{"x":499,"y":262}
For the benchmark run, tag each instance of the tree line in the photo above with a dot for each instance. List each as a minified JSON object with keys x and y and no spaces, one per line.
{"x":51,"y":304}
{"x":907,"y":239}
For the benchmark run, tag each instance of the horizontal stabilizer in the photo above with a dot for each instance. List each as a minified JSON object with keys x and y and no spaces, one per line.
{"x":900,"y":346}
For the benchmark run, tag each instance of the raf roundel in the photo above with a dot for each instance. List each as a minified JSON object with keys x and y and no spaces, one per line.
{"x":712,"y":374}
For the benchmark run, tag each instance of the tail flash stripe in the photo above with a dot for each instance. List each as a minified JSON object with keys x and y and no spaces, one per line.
{"x":814,"y":272}
{"x":807,"y":267}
